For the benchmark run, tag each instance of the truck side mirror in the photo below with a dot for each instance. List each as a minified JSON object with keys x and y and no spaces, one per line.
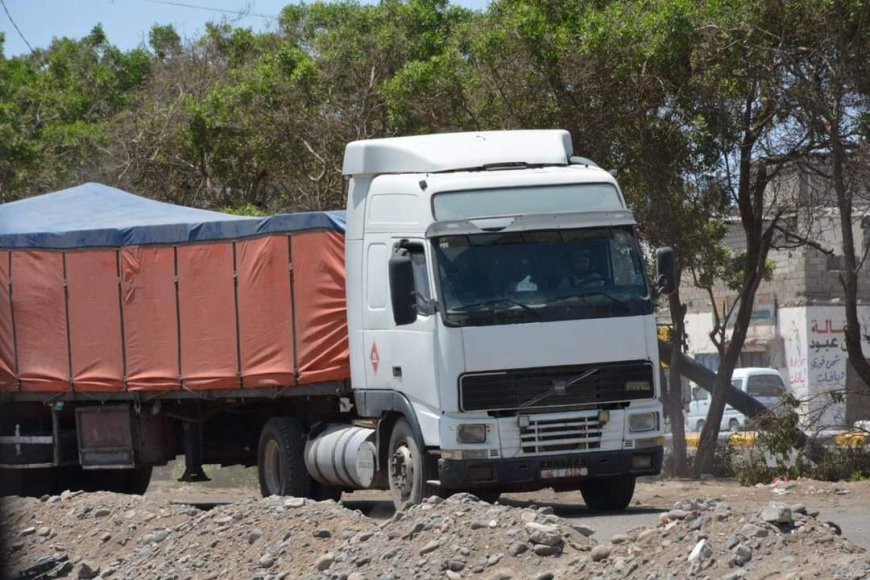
{"x":402,"y":287}
{"x":666,"y":272}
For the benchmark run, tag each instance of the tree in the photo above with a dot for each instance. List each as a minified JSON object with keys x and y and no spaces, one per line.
{"x":741,"y":81}
{"x":830,"y":70}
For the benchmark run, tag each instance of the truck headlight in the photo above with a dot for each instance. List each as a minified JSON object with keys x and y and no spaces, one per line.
{"x":471,"y":433}
{"x":639,"y":422}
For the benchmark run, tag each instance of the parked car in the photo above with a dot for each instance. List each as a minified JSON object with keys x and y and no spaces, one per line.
{"x":765,"y":384}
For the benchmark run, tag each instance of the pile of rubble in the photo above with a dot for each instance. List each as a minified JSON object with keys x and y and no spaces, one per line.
{"x":104,"y":535}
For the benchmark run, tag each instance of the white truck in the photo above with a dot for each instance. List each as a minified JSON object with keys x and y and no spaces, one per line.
{"x":498,"y":336}
{"x":503,"y":371}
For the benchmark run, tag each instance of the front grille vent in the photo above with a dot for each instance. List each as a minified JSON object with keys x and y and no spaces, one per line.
{"x":560,"y":435}
{"x":515,"y":389}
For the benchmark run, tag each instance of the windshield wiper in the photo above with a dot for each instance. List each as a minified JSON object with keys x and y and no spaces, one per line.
{"x":467,"y":307}
{"x":614,"y":299}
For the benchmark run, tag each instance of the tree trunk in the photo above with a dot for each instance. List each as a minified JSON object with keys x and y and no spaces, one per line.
{"x":674,"y":399}
{"x":849,"y":279}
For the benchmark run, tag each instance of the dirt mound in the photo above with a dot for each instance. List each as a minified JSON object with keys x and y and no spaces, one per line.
{"x":109,"y":535}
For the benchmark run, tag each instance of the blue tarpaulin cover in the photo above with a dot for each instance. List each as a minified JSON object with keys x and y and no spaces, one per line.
{"x":95,"y":215}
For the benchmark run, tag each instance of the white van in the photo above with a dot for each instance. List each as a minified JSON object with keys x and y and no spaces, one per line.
{"x":765,"y":384}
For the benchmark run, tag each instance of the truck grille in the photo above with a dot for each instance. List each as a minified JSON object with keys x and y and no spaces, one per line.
{"x":552,"y":435}
{"x":511,"y":389}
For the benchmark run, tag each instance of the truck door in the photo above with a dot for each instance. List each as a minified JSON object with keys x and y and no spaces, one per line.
{"x":400,"y":358}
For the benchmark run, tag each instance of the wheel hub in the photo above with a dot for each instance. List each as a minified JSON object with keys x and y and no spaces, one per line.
{"x":402,"y":470}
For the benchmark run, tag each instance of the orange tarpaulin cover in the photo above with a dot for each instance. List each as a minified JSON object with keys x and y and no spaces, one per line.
{"x":321,"y":316}
{"x":39,"y":304}
{"x":265,"y":311}
{"x":7,"y":341}
{"x":95,"y":321}
{"x":212,"y":315}
{"x":208,"y":319}
{"x":150,"y":327}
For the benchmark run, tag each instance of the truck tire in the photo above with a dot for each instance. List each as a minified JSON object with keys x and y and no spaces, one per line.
{"x":281,"y":458}
{"x":608,"y":495}
{"x":409,"y":467}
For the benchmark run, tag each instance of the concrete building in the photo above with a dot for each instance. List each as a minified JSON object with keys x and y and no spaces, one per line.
{"x":798,"y":318}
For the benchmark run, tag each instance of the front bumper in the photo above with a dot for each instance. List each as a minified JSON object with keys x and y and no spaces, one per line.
{"x":525,"y":474}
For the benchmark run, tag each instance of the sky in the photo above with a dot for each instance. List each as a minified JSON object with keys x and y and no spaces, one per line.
{"x":127,"y":22}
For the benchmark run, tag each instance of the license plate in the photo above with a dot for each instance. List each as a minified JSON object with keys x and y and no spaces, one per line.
{"x":564,"y":472}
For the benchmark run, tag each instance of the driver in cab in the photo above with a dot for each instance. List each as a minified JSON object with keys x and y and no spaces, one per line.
{"x":580,"y":274}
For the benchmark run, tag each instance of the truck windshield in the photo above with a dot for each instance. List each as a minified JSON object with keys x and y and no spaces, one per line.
{"x":505,"y":278}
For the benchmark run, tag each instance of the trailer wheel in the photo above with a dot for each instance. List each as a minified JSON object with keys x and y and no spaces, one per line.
{"x":281,"y":459}
{"x":409,"y":467}
{"x":608,"y":495}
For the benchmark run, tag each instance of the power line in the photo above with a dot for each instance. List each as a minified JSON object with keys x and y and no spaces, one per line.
{"x":211,"y":9}
{"x":21,"y":34}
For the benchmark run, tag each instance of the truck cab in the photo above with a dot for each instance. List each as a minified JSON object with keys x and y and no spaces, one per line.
{"x":500,"y":320}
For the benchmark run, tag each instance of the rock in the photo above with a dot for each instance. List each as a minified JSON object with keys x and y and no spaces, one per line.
{"x":43,"y":531}
{"x":69,"y":494}
{"x":798,"y":508}
{"x":254,"y":535}
{"x":600,"y":552}
{"x":493,"y":523}
{"x":620,"y":539}
{"x":476,"y":525}
{"x":647,"y":535}
{"x":545,"y":510}
{"x":735,"y":575}
{"x":358,"y":575}
{"x":528,"y":516}
{"x":266,"y":561}
{"x":322,"y":533}
{"x":545,"y":534}
{"x":776,"y":513}
{"x":430,"y":547}
{"x":753,"y":531}
{"x":53,"y":499}
{"x":88,"y":570}
{"x":325,"y":561}
{"x":105,"y":537}
{"x":545,"y":576}
{"x":701,"y":551}
{"x":583,"y":529}
{"x":294,"y":502}
{"x":742,"y":554}
{"x":493,"y":560}
{"x":699,"y":523}
{"x":27,"y":531}
{"x":102,"y":512}
{"x":517,"y":548}
{"x":159,"y":536}
{"x":453,"y":575}
{"x":456,"y":565}
{"x":544,"y":550}
{"x":676,"y":514}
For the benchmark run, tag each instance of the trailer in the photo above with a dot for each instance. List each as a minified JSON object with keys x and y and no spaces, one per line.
{"x":132,"y":331}
{"x":479,"y":319}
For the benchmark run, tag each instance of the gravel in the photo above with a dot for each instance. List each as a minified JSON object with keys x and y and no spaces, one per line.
{"x":459,"y":537}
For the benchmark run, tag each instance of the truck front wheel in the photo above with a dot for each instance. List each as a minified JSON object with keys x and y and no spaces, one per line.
{"x":281,"y":458}
{"x":608,"y":495}
{"x":409,"y":467}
